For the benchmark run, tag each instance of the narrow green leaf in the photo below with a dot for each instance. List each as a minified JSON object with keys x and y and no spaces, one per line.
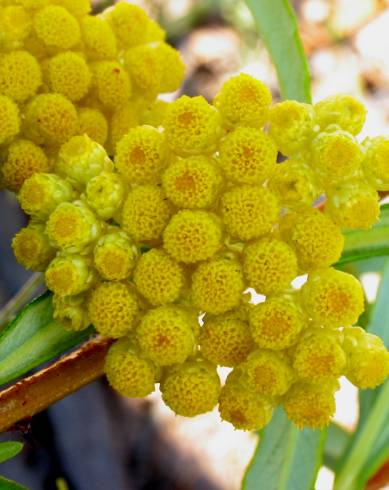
{"x":6,"y":484}
{"x":9,"y":449}
{"x":336,"y":442}
{"x":33,"y":338}
{"x":286,"y":458}
{"x":277,"y":26}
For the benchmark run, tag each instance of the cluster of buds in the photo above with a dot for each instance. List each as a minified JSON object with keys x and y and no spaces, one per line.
{"x":185,"y":246}
{"x":64,"y":72}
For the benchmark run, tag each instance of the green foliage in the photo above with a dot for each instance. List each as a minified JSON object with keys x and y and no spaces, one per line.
{"x":9,"y":449}
{"x":6,"y":484}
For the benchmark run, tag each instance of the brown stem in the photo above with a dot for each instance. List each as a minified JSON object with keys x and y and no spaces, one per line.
{"x":35,"y":393}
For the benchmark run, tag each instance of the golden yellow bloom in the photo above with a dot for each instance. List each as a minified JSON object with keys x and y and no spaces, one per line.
{"x":112,"y":83}
{"x":78,"y":8}
{"x":98,"y":37}
{"x":56,"y":27}
{"x":129,"y":22}
{"x":9,"y":119}
{"x":376,"y":162}
{"x":20,"y":75}
{"x":69,"y":75}
{"x":94,"y":124}
{"x":191,"y":388}
{"x":114,"y":256}
{"x":173,"y":67}
{"x":68,"y":275}
{"x":15,"y":24}
{"x":71,"y":312}
{"x":105,"y":194}
{"x":343,"y":110}
{"x":123,"y":119}
{"x":32,"y":248}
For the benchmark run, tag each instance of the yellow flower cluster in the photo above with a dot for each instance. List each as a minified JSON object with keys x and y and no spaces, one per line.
{"x":65,"y":72}
{"x":167,"y":246}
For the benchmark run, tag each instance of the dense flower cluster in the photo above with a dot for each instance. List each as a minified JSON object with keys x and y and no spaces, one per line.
{"x":167,"y":246}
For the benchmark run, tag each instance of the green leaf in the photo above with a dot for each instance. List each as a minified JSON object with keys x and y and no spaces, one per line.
{"x":277,"y":25}
{"x":286,"y":458}
{"x":33,"y":338}
{"x":336,"y":443}
{"x":6,"y":484}
{"x":9,"y":449}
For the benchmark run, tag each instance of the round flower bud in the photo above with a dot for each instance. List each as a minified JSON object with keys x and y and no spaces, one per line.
{"x":248,"y":156}
{"x":20,"y":75}
{"x":80,"y":159}
{"x":144,"y":65}
{"x":69,"y":75}
{"x":145,"y":213}
{"x":173,"y":67}
{"x":9,"y":119}
{"x":69,"y":275}
{"x":192,"y":126}
{"x":114,"y":256}
{"x":32,"y":248}
{"x":71,"y":312}
{"x":128,"y":371}
{"x":129,"y":23}
{"x":50,"y":119}
{"x":192,"y":182}
{"x":244,"y":101}
{"x":16,"y":26}
{"x":154,"y":32}
{"x":267,"y":373}
{"x":191,"y":388}
{"x":141,"y":155}
{"x":333,"y":298}
{"x":158,"y":277}
{"x":41,"y":193}
{"x":249,"y":211}
{"x":217,"y":285}
{"x":269,"y":266}
{"x":112,"y":83}
{"x":225,"y":340}
{"x":78,"y":8}
{"x":243,"y":408}
{"x":376,"y":162}
{"x":192,"y":236}
{"x":319,"y":354}
{"x":94,"y":124}
{"x":317,"y":241}
{"x":123,"y":119}
{"x":24,"y":159}
{"x":310,"y":405}
{"x":72,"y":226}
{"x":98,"y":37}
{"x":367,"y":358}
{"x":343,"y":110}
{"x":165,"y":334}
{"x":56,"y":27}
{"x":276,"y":323}
{"x":291,"y":125}
{"x":155,"y":113}
{"x":113,"y":309}
{"x":293,"y":183}
{"x":353,"y":206}
{"x":105,"y":194}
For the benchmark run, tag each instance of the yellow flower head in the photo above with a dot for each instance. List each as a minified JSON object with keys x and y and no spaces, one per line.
{"x":50,"y":119}
{"x":155,"y":113}
{"x":144,"y":66}
{"x":15,"y":24}
{"x":24,"y":159}
{"x":114,"y":256}
{"x":291,"y":125}
{"x":158,"y":277}
{"x":166,"y":335}
{"x":173,"y":67}
{"x":276,"y":323}
{"x":333,"y":298}
{"x":311,"y":405}
{"x":217,"y":285}
{"x":141,"y":155}
{"x":319,"y":354}
{"x":113,"y":308}
{"x":192,"y":126}
{"x":249,"y":211}
{"x":244,"y":101}
{"x":129,"y":22}
{"x":94,"y":124}
{"x":9,"y":119}
{"x":41,"y":193}
{"x":112,"y":83}
{"x":225,"y":340}
{"x":269,"y":265}
{"x":128,"y":371}
{"x":145,"y":213}
{"x":243,"y":408}
{"x":69,"y":275}
{"x":343,"y":110}
{"x":32,"y":248}
{"x":20,"y":75}
{"x":72,"y":226}
{"x":69,"y":75}
{"x":192,"y":236}
{"x":56,"y":27}
{"x":353,"y":206}
{"x":71,"y":312}
{"x":376,"y":162}
{"x":192,"y":182}
{"x":78,"y":8}
{"x":317,"y":241}
{"x":123,"y":119}
{"x":367,"y":358}
{"x":191,"y":388}
{"x":98,"y":38}
{"x":248,"y":156}
{"x":105,"y":194}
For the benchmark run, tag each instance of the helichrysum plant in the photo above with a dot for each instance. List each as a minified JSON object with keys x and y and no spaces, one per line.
{"x":158,"y":222}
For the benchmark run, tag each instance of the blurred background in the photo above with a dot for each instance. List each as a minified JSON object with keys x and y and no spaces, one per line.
{"x":94,"y":440}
